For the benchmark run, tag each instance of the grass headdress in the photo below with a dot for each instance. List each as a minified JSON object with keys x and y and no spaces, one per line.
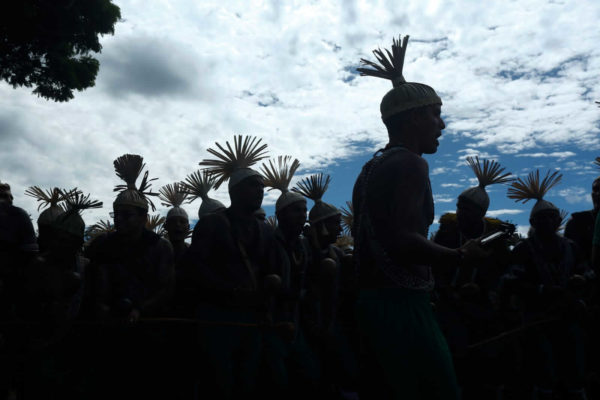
{"x":314,"y":187}
{"x":173,"y":195}
{"x":278,"y":176}
{"x":532,"y":188}
{"x":50,"y":200}
{"x":488,"y":172}
{"x":197,"y":185}
{"x":129,"y":167}
{"x":405,"y":95}
{"x":348,"y":218}
{"x":233,"y":163}
{"x":70,"y":220}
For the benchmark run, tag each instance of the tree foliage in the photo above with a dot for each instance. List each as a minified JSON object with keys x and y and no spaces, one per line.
{"x":47,"y":44}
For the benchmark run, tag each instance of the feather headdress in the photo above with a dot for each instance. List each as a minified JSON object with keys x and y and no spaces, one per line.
{"x":234,"y":164}
{"x":405,"y":95}
{"x":488,"y":172}
{"x":532,"y":188}
{"x":348,"y":218}
{"x":278,"y":176}
{"x":51,"y":200}
{"x":314,"y":187}
{"x":128,"y":167}
{"x":197,"y":185}
{"x":173,"y":196}
{"x":75,"y":202}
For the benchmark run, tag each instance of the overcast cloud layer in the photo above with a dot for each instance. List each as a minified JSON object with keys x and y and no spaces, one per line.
{"x":518,"y":81}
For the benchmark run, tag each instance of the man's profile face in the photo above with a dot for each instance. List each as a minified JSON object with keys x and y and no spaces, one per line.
{"x":293,"y":217}
{"x":430,"y":125}
{"x":596,"y":194}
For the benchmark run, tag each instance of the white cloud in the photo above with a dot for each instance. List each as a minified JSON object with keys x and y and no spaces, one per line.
{"x":561,"y":155}
{"x":523,"y":230}
{"x":443,"y":198}
{"x":451,"y":185}
{"x":179,"y":75}
{"x":575,"y":195}
{"x":504,"y":211}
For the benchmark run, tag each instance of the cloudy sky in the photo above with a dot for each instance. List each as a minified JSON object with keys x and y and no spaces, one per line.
{"x":518,"y":81}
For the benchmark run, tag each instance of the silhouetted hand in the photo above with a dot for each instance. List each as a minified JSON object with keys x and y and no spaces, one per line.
{"x":472,"y":251}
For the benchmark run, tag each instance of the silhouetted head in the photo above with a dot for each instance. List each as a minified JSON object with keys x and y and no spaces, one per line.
{"x":247,"y":195}
{"x":129,"y":220}
{"x":468,"y":213}
{"x":545,"y":222}
{"x":177,"y":228}
{"x":417,"y":128}
{"x":328,"y":230}
{"x":292,"y":218}
{"x":6,"y":197}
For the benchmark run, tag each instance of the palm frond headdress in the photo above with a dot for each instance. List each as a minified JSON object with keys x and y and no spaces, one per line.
{"x":173,"y":195}
{"x":128,"y":167}
{"x":314,"y":187}
{"x":233,"y":163}
{"x":405,"y":95}
{"x":50,"y":200}
{"x":348,"y":218}
{"x":99,"y":228}
{"x":70,"y":220}
{"x":197,"y":185}
{"x":278,"y":176}
{"x":155,"y":223}
{"x":488,"y":172}
{"x":532,"y":188}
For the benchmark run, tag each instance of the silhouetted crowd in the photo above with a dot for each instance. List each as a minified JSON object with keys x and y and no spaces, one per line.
{"x":267,"y":307}
{"x":360,"y":302}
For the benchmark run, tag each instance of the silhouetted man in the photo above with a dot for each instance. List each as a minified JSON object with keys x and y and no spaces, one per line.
{"x":580,"y":227}
{"x":393,"y":205}
{"x":231,"y":254}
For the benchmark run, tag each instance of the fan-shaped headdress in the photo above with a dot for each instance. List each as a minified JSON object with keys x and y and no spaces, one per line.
{"x":129,"y":167}
{"x":197,"y":185}
{"x":348,"y":218}
{"x":532,"y":188}
{"x":70,"y":220}
{"x":99,"y":228}
{"x":314,"y":187}
{"x":234,"y":164}
{"x":405,"y":95}
{"x":155,"y":223}
{"x":488,"y":173}
{"x":278,"y":176}
{"x":50,"y":200}
{"x":173,"y":196}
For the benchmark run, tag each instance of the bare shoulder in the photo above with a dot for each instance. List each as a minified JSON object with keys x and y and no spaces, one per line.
{"x":407,"y":162}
